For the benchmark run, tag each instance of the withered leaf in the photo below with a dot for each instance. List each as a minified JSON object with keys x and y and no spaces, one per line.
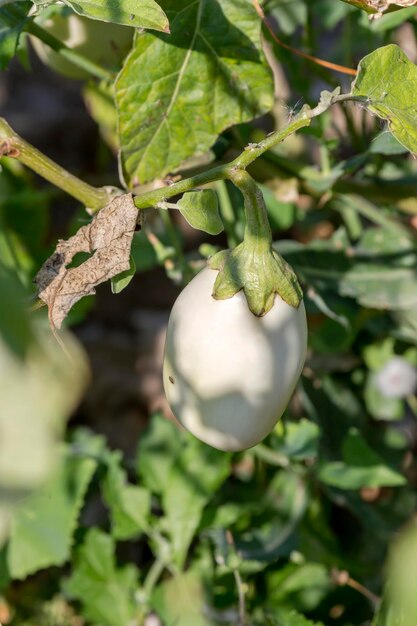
{"x":108,"y":238}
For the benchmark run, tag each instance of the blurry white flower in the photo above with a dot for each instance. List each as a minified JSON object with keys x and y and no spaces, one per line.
{"x":397,"y":379}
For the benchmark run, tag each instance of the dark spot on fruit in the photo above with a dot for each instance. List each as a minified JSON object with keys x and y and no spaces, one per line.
{"x":171,"y":380}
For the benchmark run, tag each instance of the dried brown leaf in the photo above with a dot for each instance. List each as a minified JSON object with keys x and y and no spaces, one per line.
{"x":108,"y":238}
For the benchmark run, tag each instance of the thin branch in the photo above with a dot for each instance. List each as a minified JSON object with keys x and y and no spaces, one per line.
{"x":13,"y":146}
{"x":252,"y":152}
{"x":331,"y":66}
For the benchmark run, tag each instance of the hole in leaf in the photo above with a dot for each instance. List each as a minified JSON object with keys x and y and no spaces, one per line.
{"x":79,"y":258}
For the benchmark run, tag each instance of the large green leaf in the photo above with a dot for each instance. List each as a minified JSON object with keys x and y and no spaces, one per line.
{"x":138,"y":13}
{"x":176,"y":93}
{"x":388,"y":79}
{"x":107,"y":592}
{"x":37,"y":394}
{"x":43,"y":525}
{"x":12,"y":22}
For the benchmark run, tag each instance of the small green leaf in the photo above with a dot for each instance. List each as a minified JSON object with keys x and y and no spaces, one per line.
{"x":107,"y":592}
{"x":129,"y":505}
{"x":42,"y":527}
{"x":388,"y":79}
{"x":12,"y":22}
{"x":137,"y":13}
{"x":361,"y":467}
{"x":122,"y":280}
{"x":201,"y":210}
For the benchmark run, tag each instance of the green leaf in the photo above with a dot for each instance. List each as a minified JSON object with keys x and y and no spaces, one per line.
{"x":299,"y":441}
{"x":106,"y":592}
{"x":392,"y":20}
{"x":176,"y":93}
{"x":12,"y":22}
{"x":287,"y":617}
{"x":37,"y":394}
{"x":137,"y":13}
{"x":188,"y":490}
{"x":15,"y":328}
{"x":385,"y":143}
{"x":129,"y":505}
{"x":301,"y":586}
{"x":43,"y":525}
{"x":201,"y":210}
{"x":287,"y":497}
{"x":181,"y":600}
{"x":399,"y":604}
{"x":361,"y":467}
{"x":158,"y":448}
{"x":388,"y":79}
{"x":122,"y":280}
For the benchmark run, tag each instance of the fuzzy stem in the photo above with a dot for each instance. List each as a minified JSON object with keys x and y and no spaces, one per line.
{"x":250,"y":154}
{"x":71,"y":55}
{"x":11,"y":145}
{"x":257,"y":229}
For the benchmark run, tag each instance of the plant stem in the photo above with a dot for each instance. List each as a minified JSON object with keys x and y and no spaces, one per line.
{"x":257,"y":229}
{"x":11,"y":145}
{"x":250,"y":154}
{"x":71,"y":55}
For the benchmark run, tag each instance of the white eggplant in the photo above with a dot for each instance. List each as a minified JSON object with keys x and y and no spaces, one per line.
{"x":228,"y":374}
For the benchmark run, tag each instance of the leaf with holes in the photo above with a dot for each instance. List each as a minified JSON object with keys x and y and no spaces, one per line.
{"x":388,"y":79}
{"x":108,"y":239}
{"x":176,"y":93}
{"x":138,"y":13}
{"x":201,"y":210}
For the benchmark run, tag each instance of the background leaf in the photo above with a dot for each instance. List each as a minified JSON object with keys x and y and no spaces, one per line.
{"x":138,"y":13}
{"x":12,"y":22}
{"x":129,"y":505}
{"x":43,"y":525}
{"x":361,"y":467}
{"x":388,"y":79}
{"x":107,"y":592}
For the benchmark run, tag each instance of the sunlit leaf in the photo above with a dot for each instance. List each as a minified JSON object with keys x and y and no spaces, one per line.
{"x":177,"y":92}
{"x":388,"y":80}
